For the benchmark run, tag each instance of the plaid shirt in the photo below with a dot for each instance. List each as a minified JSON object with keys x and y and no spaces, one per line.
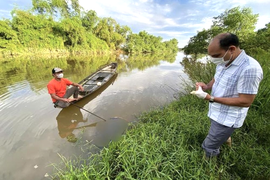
{"x":242,"y":76}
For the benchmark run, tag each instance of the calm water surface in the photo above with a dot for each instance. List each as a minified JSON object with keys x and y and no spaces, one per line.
{"x":34,"y":134}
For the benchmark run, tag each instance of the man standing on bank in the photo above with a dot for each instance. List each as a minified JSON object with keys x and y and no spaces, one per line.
{"x":57,"y":88}
{"x":233,"y":89}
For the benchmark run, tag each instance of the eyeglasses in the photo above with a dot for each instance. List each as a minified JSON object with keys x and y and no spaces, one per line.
{"x":59,"y":72}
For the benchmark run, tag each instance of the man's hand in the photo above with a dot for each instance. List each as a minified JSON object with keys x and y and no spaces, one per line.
{"x":66,"y":100}
{"x":203,"y":85}
{"x":54,"y":96}
{"x":81,"y":88}
{"x":199,"y":93}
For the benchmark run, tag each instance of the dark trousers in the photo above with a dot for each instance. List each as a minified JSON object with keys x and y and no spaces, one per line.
{"x":217,"y":135}
{"x":73,"y":90}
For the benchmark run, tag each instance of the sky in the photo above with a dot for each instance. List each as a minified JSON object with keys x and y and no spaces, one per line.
{"x":179,"y":19}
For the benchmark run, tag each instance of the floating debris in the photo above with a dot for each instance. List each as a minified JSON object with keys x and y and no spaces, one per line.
{"x":46,"y":175}
{"x":36,"y":166}
{"x":73,"y":121}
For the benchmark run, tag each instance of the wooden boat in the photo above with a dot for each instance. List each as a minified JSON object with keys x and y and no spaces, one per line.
{"x":96,"y":80}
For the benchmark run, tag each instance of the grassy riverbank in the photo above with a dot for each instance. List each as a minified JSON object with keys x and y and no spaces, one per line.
{"x":166,"y":143}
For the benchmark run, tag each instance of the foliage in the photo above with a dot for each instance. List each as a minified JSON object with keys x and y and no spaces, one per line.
{"x":171,"y":45}
{"x":143,"y":61}
{"x":146,"y":43}
{"x":18,"y":70}
{"x":261,"y":40}
{"x":111,"y":32}
{"x":8,"y":37}
{"x":52,"y":7}
{"x":43,"y":7}
{"x":95,"y":43}
{"x":89,"y":20}
{"x":35,"y":31}
{"x":198,"y":44}
{"x":166,"y":145}
{"x":75,"y":31}
{"x":236,"y":20}
{"x":262,"y":100}
{"x":197,"y":71}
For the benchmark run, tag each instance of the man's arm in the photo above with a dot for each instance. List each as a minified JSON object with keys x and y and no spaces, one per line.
{"x":244,"y":100}
{"x":78,"y":85}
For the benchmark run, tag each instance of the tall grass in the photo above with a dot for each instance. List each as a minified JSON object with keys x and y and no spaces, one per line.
{"x":166,"y":144}
{"x":262,"y":100}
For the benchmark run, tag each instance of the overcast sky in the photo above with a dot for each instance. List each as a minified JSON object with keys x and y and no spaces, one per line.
{"x":169,"y":19}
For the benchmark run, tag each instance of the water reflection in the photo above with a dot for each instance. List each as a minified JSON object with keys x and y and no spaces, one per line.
{"x":38,"y":71}
{"x":32,"y":129}
{"x":143,"y":61}
{"x":67,"y":121}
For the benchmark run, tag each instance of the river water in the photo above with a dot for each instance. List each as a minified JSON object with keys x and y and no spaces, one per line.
{"x":34,"y":135}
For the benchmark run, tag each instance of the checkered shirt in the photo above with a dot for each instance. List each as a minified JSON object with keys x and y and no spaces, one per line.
{"x":242,"y":76}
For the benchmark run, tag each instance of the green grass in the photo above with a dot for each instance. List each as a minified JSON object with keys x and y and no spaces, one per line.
{"x":166,"y":144}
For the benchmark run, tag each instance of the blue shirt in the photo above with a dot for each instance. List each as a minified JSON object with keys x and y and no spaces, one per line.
{"x":242,"y":76}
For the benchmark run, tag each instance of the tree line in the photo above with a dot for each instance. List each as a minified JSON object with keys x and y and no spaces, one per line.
{"x":239,"y":21}
{"x":64,"y":24}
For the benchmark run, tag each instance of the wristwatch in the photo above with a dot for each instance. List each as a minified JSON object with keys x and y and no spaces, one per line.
{"x":211,"y":100}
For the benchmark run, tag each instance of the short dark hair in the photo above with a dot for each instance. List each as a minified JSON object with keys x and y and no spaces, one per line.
{"x":227,"y":40}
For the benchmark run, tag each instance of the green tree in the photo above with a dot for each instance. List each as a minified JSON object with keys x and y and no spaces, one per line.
{"x":238,"y":21}
{"x":172,"y":45}
{"x":51,"y":7}
{"x":134,"y":43}
{"x":102,"y":31}
{"x":35,"y":31}
{"x":262,"y":38}
{"x":8,"y":37}
{"x":43,"y":7}
{"x":95,"y":43}
{"x":111,"y":32}
{"x":147,"y":43}
{"x":198,"y":44}
{"x":124,"y":31}
{"x":89,"y":20}
{"x":73,"y":31}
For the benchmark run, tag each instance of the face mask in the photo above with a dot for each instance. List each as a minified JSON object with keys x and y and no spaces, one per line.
{"x":61,"y":75}
{"x":220,"y":60}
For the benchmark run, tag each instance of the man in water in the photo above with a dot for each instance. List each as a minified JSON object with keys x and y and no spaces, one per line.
{"x":57,"y":88}
{"x":233,"y":89}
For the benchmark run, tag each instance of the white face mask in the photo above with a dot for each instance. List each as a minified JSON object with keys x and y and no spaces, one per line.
{"x":61,"y":75}
{"x":220,"y":60}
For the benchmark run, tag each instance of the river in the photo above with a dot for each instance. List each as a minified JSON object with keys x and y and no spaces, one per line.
{"x":34,"y":135}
